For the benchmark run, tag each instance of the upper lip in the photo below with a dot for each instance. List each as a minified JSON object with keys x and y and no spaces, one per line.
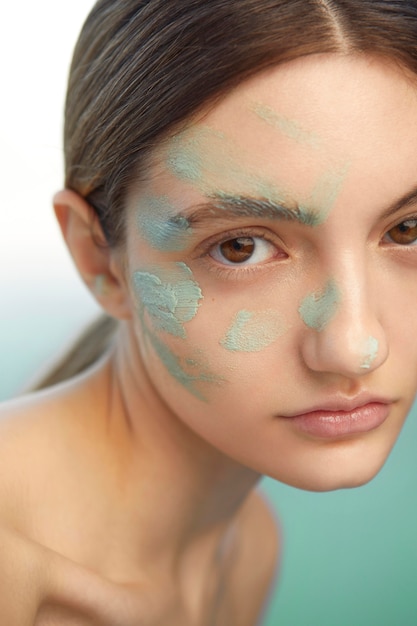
{"x":338,"y":404}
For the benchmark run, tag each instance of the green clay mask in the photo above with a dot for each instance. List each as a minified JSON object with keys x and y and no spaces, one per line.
{"x":170,"y":297}
{"x":252,"y":331}
{"x":206,"y":158}
{"x":159,"y":225}
{"x":318,"y":309}
{"x":263,"y":209}
{"x":326,"y":192}
{"x":328,"y":187}
{"x":187,"y":158}
{"x":371,"y":352}
{"x":210,"y":162}
{"x":287,"y":127}
{"x":189,"y":372}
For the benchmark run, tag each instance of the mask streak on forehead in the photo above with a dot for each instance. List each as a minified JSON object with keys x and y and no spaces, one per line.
{"x":252,"y":331}
{"x":209,"y":161}
{"x":287,"y":127}
{"x":187,"y":158}
{"x":326,"y":191}
{"x":318,"y":309}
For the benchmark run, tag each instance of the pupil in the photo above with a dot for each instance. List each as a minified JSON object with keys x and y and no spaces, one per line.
{"x":404,"y":233}
{"x":238,"y":250}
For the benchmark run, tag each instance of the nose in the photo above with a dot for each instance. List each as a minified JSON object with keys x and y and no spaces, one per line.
{"x":343,"y":334}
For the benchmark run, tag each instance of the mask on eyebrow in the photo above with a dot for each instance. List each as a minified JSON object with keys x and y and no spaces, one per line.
{"x":160,"y":226}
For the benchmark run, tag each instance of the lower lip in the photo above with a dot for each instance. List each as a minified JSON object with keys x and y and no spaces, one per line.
{"x":334,"y":424}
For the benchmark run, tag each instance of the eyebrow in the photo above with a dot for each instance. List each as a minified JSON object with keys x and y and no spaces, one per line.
{"x":402,"y":203}
{"x":225,"y":206}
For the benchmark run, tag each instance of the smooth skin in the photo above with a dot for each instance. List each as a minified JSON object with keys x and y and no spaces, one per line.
{"x":127,"y":500}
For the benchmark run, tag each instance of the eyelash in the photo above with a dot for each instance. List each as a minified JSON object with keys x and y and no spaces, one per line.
{"x":411,"y":218}
{"x":241,"y":270}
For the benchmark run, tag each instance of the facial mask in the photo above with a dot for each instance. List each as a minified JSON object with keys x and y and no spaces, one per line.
{"x":252,"y":331}
{"x":318,"y":309}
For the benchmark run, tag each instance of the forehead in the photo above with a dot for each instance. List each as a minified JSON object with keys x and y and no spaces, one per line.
{"x":314,"y":93}
{"x":340,"y":104}
{"x":300,"y":126}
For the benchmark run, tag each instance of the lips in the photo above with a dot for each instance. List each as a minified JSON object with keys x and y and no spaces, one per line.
{"x":342,"y":418}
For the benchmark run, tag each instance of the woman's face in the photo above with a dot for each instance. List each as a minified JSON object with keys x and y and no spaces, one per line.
{"x":272,"y":263}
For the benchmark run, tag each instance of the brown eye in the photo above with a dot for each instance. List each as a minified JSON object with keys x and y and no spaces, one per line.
{"x":243,"y":251}
{"x":237,"y":250}
{"x":405,"y":233}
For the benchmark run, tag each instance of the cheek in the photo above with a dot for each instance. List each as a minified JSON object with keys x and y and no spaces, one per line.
{"x":252,"y":331}
{"x":214,"y":340}
{"x":168,"y":299}
{"x":248,"y":346}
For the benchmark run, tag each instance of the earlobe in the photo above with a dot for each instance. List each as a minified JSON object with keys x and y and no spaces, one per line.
{"x":95,"y":260}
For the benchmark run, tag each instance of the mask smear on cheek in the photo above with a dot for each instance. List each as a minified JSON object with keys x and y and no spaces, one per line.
{"x":171,"y":297}
{"x":253,"y":331}
{"x":318,"y":309}
{"x":159,"y":225}
{"x":168,"y":298}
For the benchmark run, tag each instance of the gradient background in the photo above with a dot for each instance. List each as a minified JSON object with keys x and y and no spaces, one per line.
{"x":349,"y":557}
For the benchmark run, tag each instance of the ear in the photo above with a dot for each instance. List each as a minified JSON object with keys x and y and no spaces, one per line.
{"x":99,"y":265}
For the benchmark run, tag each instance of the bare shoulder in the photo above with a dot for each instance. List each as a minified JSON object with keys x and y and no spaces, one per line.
{"x":22,"y":564}
{"x":27,"y":440}
{"x":42,"y":588}
{"x":20,"y":579}
{"x":38,"y":435}
{"x":39,"y":585}
{"x":257,"y":560}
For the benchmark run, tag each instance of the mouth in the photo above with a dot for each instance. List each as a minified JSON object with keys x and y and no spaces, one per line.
{"x":342,"y":419}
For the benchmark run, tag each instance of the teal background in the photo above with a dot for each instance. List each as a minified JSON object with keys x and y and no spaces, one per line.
{"x":348,"y":557}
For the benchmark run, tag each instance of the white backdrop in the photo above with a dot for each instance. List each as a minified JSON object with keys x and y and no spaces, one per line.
{"x":42,"y":301}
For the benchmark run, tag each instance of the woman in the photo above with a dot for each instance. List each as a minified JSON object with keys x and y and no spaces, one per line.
{"x":239,"y":197}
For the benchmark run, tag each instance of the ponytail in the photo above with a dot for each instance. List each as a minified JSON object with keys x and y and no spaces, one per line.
{"x":87,"y":349}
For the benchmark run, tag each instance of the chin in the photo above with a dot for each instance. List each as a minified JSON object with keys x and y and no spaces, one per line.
{"x":339,"y":480}
{"x":344,"y":473}
{"x":347,"y":482}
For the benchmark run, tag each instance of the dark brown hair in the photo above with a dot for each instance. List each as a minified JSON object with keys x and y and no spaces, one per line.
{"x":142,"y":67}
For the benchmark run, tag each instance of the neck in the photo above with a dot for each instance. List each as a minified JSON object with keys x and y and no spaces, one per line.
{"x":180,"y":492}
